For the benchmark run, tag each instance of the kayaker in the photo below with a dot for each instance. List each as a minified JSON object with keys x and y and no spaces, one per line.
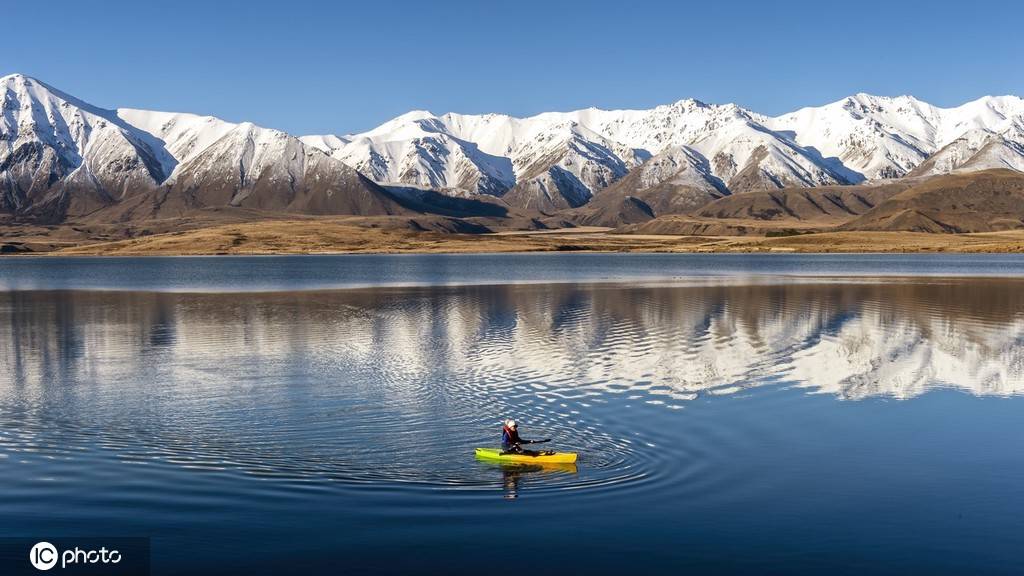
{"x":510,"y":440}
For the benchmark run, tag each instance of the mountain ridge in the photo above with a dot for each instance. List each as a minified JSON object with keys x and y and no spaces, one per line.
{"x":61,"y":157}
{"x":858,"y":138}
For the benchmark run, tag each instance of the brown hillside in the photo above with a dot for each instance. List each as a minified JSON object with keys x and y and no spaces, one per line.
{"x":975,"y":202}
{"x":824,"y":205}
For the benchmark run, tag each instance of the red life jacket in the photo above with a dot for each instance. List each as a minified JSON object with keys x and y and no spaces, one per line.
{"x":509,"y":437}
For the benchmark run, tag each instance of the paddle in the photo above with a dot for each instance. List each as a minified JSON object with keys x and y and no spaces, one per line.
{"x":540,"y":441}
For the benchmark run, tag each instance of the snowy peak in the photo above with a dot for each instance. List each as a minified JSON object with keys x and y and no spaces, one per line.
{"x":677,"y":180}
{"x":565,"y":158}
{"x":888,"y":137}
{"x":872,"y":136}
{"x":325,"y":142}
{"x":562,"y":166}
{"x":74,"y":130}
{"x":247,"y":166}
{"x":861,"y":137}
{"x":61,"y":157}
{"x":977,"y":149}
{"x":48,"y":138}
{"x":562,"y":158}
{"x":181,"y":136}
{"x":678,"y":166}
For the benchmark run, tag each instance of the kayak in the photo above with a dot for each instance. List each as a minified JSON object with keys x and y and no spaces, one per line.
{"x":542,"y":458}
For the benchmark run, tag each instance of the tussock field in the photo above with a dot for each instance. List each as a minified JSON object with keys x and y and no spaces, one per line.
{"x":345,"y":236}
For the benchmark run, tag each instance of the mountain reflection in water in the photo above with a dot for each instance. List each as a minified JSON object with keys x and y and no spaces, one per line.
{"x":894,"y":338}
{"x":727,"y":425}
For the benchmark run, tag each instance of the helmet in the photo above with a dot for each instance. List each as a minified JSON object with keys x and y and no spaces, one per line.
{"x":510,"y":423}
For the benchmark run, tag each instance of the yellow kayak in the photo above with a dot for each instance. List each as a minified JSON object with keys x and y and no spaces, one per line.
{"x":542,"y":458}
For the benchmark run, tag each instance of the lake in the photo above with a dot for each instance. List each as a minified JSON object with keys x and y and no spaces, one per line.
{"x":733,"y":414}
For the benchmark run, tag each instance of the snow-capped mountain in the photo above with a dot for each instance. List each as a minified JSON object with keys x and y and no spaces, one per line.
{"x":421,"y":155}
{"x":880,"y":137}
{"x":675,"y":181}
{"x":50,"y":140}
{"x":562,"y":166}
{"x":977,"y":149}
{"x":558,"y":160}
{"x":60,"y":156}
{"x":63,"y":157}
{"x":555,"y":160}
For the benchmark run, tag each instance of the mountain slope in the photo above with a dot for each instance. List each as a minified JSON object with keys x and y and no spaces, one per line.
{"x":762,"y":212}
{"x":60,"y":156}
{"x":253,"y":167}
{"x":862,"y":137}
{"x":675,"y":181}
{"x":965,"y":202}
{"x":881,"y":137}
{"x":977,"y":149}
{"x":562,"y":166}
{"x":820,"y":206}
{"x":218,"y":163}
{"x":417,"y":149}
{"x":64,"y":158}
{"x":561,"y":159}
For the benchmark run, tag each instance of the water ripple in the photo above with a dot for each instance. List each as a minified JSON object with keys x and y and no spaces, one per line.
{"x":396,"y":387}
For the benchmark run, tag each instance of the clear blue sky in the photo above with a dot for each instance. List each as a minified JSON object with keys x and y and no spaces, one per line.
{"x":336,"y":67}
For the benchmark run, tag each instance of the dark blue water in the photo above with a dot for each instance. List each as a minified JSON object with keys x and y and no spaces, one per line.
{"x":748,"y":422}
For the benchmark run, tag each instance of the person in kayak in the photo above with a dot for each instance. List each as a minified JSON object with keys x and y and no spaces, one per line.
{"x":512,"y":443}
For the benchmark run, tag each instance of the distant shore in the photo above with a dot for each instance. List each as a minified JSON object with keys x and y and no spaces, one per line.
{"x":331,"y":236}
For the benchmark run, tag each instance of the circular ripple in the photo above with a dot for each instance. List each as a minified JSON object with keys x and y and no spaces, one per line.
{"x":396,"y":387}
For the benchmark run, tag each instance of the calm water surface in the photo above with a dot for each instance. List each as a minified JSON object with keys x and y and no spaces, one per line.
{"x":774,"y":414}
